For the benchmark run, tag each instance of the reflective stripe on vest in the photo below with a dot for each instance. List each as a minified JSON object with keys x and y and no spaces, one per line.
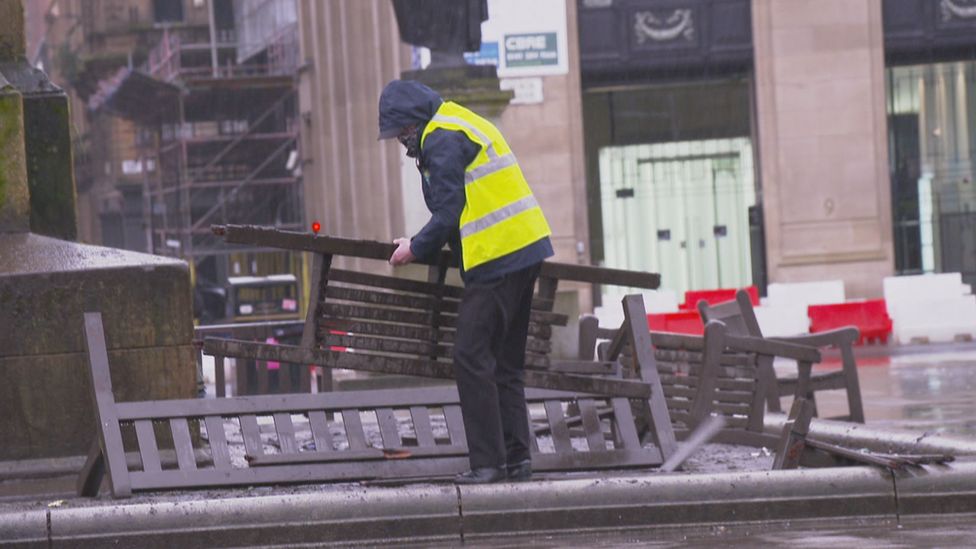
{"x":500,"y":215}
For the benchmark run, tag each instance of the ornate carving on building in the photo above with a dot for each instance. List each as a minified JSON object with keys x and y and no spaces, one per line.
{"x":962,"y":9}
{"x":660,"y":28}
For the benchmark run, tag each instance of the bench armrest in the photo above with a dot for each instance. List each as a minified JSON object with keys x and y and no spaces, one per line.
{"x":836,"y":337}
{"x":803,"y":353}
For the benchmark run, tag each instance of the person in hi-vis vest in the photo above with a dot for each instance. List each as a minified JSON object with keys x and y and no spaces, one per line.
{"x":482,"y":207}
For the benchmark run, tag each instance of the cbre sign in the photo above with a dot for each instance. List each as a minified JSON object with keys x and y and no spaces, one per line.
{"x":531,"y":50}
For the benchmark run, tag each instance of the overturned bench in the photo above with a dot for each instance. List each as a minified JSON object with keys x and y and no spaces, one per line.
{"x":348,"y":435}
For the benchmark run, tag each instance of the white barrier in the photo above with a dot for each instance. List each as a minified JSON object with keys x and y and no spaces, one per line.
{"x":805,"y":293}
{"x":782,"y":320}
{"x":611,"y":315}
{"x":936,"y":321}
{"x":898,"y":289}
{"x":930,"y":308}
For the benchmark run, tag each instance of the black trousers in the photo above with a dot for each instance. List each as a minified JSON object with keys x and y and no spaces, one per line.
{"x":489,"y":364}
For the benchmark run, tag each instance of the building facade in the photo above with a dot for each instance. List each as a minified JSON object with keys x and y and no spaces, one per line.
{"x":777,"y":141}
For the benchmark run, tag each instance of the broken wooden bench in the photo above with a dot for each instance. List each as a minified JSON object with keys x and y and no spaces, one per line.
{"x":716,"y":373}
{"x":415,"y":433}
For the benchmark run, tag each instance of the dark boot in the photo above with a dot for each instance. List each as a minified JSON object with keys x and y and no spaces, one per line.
{"x":481,"y":475}
{"x":520,"y":472}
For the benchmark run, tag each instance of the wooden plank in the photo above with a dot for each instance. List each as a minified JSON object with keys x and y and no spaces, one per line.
{"x":148,"y":449}
{"x":244,"y":376}
{"x":220,"y":380}
{"x":265,"y":236}
{"x":793,"y":438}
{"x":420,"y":345}
{"x":109,"y":431}
{"x":389,"y":428}
{"x":321,"y":434}
{"x":455,"y":424}
{"x":583,"y":367}
{"x":337,"y":313}
{"x":286,"y":433}
{"x":704,"y":401}
{"x":557,"y":426}
{"x":368,"y":454}
{"x":595,"y":439}
{"x":297,"y":403}
{"x":376,"y":297}
{"x":252,"y":436}
{"x":319,"y":279}
{"x":182,"y":444}
{"x":623,"y":421}
{"x":218,"y":442}
{"x":395,"y":283}
{"x":261,"y":373}
{"x":640,"y":339}
{"x":353,"y":425}
{"x":533,"y":433}
{"x":421,"y":426}
{"x":364,"y":312}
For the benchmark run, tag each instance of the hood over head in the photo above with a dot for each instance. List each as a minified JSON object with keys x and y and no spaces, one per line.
{"x":406,"y":102}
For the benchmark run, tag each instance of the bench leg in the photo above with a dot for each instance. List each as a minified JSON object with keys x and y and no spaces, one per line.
{"x":794,"y":437}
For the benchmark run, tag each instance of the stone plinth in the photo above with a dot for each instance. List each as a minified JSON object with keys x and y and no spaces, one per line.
{"x":45,"y":286}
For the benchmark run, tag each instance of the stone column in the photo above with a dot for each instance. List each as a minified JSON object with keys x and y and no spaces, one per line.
{"x":820,"y":103}
{"x":44,"y":130}
{"x":352,"y":182}
{"x":14,"y":197}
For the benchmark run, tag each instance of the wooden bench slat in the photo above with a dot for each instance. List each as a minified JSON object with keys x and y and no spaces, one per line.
{"x":595,"y":439}
{"x":353,"y":425}
{"x":721,"y":383}
{"x":423,"y":348}
{"x":376,"y":297}
{"x":261,"y":374}
{"x":395,"y":283}
{"x":389,"y":427}
{"x":369,"y":454}
{"x":284,"y":377}
{"x":422,"y":427}
{"x":455,"y":424}
{"x":623,"y":421}
{"x":533,"y":439}
{"x":220,"y":381}
{"x":321,"y":434}
{"x":557,"y":425}
{"x":182,"y":444}
{"x":148,"y":449}
{"x":342,"y":316}
{"x":252,"y":435}
{"x":286,"y":433}
{"x":218,"y":443}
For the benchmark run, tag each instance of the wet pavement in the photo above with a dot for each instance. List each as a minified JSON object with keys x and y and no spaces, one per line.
{"x":922,"y":388}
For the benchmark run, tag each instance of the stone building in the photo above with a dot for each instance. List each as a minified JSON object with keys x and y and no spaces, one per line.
{"x":720,"y":142}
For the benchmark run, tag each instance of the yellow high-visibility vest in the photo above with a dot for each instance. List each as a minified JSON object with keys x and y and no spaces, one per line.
{"x":500,"y":213}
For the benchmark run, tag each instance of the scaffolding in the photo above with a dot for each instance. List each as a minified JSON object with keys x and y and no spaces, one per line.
{"x":217,"y":143}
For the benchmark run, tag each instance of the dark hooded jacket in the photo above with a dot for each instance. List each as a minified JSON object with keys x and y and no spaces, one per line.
{"x":442,"y":162}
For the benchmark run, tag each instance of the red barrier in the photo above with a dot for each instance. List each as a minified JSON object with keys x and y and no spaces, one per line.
{"x":692,"y":297}
{"x":870,"y":316}
{"x":681,"y":322}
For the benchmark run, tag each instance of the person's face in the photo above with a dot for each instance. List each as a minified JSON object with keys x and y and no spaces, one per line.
{"x":410,"y":140}
{"x":406,"y":134}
